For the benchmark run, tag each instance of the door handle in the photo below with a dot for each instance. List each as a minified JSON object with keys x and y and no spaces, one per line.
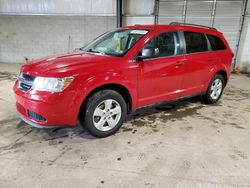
{"x":179,"y":63}
{"x":210,"y":59}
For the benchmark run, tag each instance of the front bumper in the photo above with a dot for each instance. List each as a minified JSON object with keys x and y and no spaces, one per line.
{"x":55,"y":109}
{"x":33,"y":124}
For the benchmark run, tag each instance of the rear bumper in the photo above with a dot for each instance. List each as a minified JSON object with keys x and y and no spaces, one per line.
{"x":46,"y":109}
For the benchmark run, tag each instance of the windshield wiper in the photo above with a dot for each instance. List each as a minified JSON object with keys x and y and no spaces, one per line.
{"x":95,"y":51}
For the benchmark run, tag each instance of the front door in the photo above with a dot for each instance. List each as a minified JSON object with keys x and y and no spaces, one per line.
{"x":160,"y":77}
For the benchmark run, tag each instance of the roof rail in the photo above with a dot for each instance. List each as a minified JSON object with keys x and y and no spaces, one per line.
{"x":180,"y":23}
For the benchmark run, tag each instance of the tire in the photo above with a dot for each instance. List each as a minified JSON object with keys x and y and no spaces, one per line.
{"x":215,"y":89}
{"x":104,"y":113}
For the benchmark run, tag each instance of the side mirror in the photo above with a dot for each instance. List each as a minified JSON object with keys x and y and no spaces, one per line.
{"x":147,"y":53}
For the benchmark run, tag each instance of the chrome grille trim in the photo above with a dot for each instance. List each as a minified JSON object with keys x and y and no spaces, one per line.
{"x":25,"y":82}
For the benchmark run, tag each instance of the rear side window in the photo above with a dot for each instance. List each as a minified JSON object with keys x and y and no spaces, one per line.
{"x":195,"y":42}
{"x":216,"y":43}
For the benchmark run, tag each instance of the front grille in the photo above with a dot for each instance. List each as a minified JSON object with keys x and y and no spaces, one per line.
{"x":35,"y":116}
{"x":25,"y":81}
{"x":28,"y":77}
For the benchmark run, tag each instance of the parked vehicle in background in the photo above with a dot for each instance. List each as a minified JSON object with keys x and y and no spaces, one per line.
{"x":120,"y":71}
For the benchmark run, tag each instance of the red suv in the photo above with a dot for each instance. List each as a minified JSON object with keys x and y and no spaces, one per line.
{"x":120,"y":71}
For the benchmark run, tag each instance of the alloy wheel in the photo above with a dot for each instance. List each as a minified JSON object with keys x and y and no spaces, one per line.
{"x":216,"y":89}
{"x":107,"y":115}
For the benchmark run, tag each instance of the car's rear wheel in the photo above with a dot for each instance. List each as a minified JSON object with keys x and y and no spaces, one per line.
{"x":215,"y":89}
{"x":104,"y":113}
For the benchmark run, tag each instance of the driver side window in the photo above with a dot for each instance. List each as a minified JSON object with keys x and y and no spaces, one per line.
{"x":167,"y":44}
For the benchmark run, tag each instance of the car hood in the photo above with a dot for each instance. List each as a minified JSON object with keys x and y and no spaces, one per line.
{"x":65,"y":64}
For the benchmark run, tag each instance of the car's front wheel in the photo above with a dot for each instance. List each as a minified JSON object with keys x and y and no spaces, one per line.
{"x":104,"y":113}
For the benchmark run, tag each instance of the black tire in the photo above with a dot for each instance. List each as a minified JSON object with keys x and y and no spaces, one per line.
{"x":207,"y":97}
{"x":92,"y":103}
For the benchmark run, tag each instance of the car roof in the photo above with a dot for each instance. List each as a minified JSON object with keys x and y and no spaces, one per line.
{"x":174,"y":27}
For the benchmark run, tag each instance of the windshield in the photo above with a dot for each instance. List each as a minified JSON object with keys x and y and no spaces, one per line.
{"x":115,"y":43}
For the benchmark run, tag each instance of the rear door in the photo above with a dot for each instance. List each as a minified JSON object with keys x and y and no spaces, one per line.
{"x":199,"y":62}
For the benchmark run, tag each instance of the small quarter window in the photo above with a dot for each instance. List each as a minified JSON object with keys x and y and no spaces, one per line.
{"x":195,"y":42}
{"x":216,"y":43}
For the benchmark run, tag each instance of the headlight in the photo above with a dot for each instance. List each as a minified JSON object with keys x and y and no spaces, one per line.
{"x":51,"y":84}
